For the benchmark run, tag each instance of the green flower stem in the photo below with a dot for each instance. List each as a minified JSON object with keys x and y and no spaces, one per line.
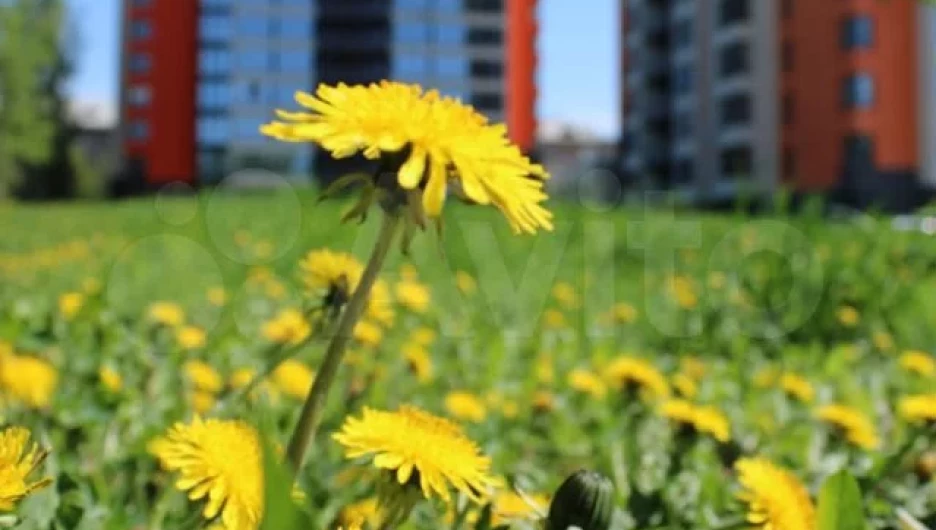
{"x":315,"y":402}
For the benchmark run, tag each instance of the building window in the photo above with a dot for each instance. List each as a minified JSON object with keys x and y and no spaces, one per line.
{"x":411,"y":33}
{"x":789,"y":163}
{"x":789,"y":110}
{"x":252,"y":61}
{"x":859,"y":154}
{"x":492,"y":36}
{"x":483,"y":69}
{"x":857,"y":32}
{"x":736,"y":162}
{"x":139,"y":96}
{"x":214,"y":62}
{"x":683,"y":76}
{"x":682,"y":33}
{"x":141,"y":29}
{"x":736,"y":110}
{"x":488,"y":102}
{"x":295,"y":28}
{"x":142,"y":3}
{"x":215,"y":28}
{"x":213,"y":130}
{"x":734,"y":12}
{"x":735,"y":59}
{"x":787,"y":58}
{"x":859,"y":91}
{"x":452,"y":66}
{"x":140,"y":63}
{"x":786,"y":8}
{"x":485,"y":6}
{"x":410,"y":4}
{"x":450,"y":6}
{"x":214,"y":95}
{"x":412,"y":68}
{"x":138,"y":130}
{"x":295,"y":61}
{"x":684,"y":125}
{"x":450,"y":34}
{"x":683,"y":172}
{"x":253,"y":27}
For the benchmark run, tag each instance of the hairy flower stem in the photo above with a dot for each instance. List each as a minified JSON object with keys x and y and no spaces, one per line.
{"x":315,"y":403}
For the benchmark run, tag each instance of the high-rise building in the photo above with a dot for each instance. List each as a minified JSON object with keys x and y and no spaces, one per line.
{"x":201,"y":76}
{"x":828,"y":96}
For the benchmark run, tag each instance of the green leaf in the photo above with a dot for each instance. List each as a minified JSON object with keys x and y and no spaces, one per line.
{"x":280,"y":512}
{"x":840,"y":504}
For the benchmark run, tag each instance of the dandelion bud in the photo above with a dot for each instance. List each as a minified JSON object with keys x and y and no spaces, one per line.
{"x":584,"y":501}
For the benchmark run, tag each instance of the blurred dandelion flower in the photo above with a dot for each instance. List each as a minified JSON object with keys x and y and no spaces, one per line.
{"x":693,"y":367}
{"x":623,"y":313}
{"x":587,"y":382}
{"x":419,"y":362}
{"x":293,"y":378}
{"x":918,"y":409}
{"x":202,"y":401}
{"x":465,"y":406}
{"x":775,"y":498}
{"x":420,"y":450}
{"x":413,"y":295}
{"x":289,"y":328}
{"x":510,"y":507}
{"x":682,"y":290}
{"x":918,"y":362}
{"x":110,"y":379}
{"x":855,"y":426}
{"x":368,"y":333}
{"x":632,"y":375}
{"x":797,"y":386}
{"x":218,"y":460}
{"x":566,"y":295}
{"x":465,"y":283}
{"x":357,"y":515}
{"x":697,"y":419}
{"x":191,"y":338}
{"x":18,"y":460}
{"x":28,"y":380}
{"x":543,"y":402}
{"x":848,"y":316}
{"x":685,"y":386}
{"x":545,"y":370}
{"x":70,"y":305}
{"x":203,"y":377}
{"x":554,"y":319}
{"x":166,"y":314}
{"x":423,"y":336}
{"x":217,"y":296}
{"x":883,"y":341}
{"x":436,"y":141}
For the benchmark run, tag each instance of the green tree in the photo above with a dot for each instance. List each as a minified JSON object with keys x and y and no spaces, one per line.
{"x":29,"y":50}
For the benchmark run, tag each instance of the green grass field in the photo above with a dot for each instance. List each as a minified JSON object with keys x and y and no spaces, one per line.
{"x":687,"y":357}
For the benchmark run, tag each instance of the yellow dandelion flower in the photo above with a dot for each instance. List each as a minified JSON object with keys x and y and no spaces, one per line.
{"x":883,"y":341}
{"x":510,"y":507}
{"x":623,"y":313}
{"x":545,"y":369}
{"x":242,"y":377}
{"x":110,"y":379}
{"x":543,"y":402}
{"x":419,"y":447}
{"x":510,"y":409}
{"x":465,"y":283}
{"x":854,"y":425}
{"x":220,"y":461}
{"x":587,"y":382}
{"x":91,"y":286}
{"x":166,"y":314}
{"x":554,"y":319}
{"x":18,"y":460}
{"x":293,"y":378}
{"x":191,"y":338}
{"x":701,"y":419}
{"x":775,"y":498}
{"x":289,"y":328}
{"x":465,"y":406}
{"x":566,"y":295}
{"x":767,"y":377}
{"x":331,"y":275}
{"x":629,"y":374}
{"x":357,"y":515}
{"x":437,"y":140}
{"x":423,"y":336}
{"x":685,"y":386}
{"x":797,"y":386}
{"x":413,"y":296}
{"x":217,"y":296}
{"x":203,"y":377}
{"x":368,"y":333}
{"x":693,"y":367}
{"x":926,"y":465}
{"x":419,"y":362}
{"x":70,"y":305}
{"x":682,"y":290}
{"x":848,"y":316}
{"x":918,"y":362}
{"x":918,"y":409}
{"x":202,"y":401}
{"x":28,"y":380}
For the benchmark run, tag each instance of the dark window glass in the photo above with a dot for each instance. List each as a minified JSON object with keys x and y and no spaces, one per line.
{"x":683,"y":172}
{"x":141,"y":29}
{"x":490,"y":6}
{"x":786,"y":8}
{"x":139,"y":96}
{"x":684,"y":79}
{"x":789,"y":110}
{"x":736,"y":162}
{"x":859,"y":153}
{"x":735,"y":59}
{"x":486,"y":69}
{"x":734,"y":11}
{"x":682,"y":33}
{"x":858,"y":32}
{"x":492,"y":36}
{"x":684,"y":125}
{"x":859,"y":91}
{"x":788,"y":56}
{"x":138,"y":130}
{"x":736,"y":110}
{"x":488,"y":102}
{"x":140,"y":63}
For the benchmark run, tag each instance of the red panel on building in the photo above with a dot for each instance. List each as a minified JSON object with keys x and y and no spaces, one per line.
{"x":161,"y":133}
{"x":522,"y":32}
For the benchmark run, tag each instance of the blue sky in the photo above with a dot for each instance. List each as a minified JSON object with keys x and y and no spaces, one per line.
{"x":578,"y":58}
